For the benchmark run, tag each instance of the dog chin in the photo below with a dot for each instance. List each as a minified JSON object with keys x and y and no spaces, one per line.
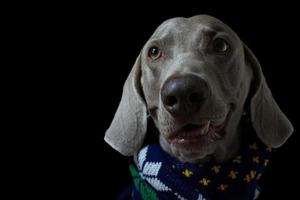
{"x":195,"y":155}
{"x":199,"y":154}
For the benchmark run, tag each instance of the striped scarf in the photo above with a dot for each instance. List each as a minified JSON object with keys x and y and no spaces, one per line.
{"x":157,"y":175}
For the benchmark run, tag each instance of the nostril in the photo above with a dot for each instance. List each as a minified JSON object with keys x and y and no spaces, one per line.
{"x":184,"y":94}
{"x":170,"y":100}
{"x":195,"y":97}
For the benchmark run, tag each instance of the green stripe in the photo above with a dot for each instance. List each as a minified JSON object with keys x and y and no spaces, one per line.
{"x":146,"y":191}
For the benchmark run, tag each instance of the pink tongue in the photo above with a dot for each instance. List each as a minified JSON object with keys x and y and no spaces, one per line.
{"x":194,"y":131}
{"x":217,"y":131}
{"x":218,"y":128}
{"x":190,"y":133}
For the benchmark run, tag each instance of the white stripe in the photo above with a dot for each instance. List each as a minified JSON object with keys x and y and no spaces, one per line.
{"x":200,"y":197}
{"x":142,"y":157}
{"x":157,"y":184}
{"x":179,"y":196}
{"x":151,"y":168}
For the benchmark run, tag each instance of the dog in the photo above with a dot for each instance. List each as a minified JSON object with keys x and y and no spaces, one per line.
{"x":196,"y":79}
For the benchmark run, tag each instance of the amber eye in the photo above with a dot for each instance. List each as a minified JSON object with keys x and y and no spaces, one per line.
{"x":220,"y":45}
{"x":154,"y":53}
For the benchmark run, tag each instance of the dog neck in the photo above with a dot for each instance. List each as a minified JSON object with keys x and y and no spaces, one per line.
{"x":161,"y":176}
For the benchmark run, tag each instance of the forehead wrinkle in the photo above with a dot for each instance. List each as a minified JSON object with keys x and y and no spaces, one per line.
{"x":174,"y":25}
{"x":221,"y":27}
{"x":162,"y":30}
{"x":200,"y":34}
{"x":171,"y":32}
{"x":178,"y":29}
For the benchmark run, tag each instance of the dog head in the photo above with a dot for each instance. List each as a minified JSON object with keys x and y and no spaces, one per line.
{"x":193,"y":77}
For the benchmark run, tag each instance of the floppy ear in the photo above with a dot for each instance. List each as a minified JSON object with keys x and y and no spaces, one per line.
{"x":128,"y":128}
{"x":269,"y":122}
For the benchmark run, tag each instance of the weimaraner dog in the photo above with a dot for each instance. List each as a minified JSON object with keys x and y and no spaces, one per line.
{"x":193,"y":77}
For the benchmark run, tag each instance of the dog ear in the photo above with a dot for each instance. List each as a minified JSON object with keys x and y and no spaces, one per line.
{"x":270,"y":124}
{"x":128,"y":128}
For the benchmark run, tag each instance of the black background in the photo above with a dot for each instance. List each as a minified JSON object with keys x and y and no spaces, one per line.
{"x":85,"y":53}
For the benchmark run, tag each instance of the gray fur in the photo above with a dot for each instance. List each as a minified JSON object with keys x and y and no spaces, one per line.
{"x":186,"y":45}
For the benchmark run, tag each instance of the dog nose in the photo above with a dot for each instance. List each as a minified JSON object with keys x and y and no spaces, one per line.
{"x":184,"y":95}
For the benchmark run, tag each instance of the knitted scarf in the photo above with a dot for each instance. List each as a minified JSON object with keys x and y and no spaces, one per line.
{"x":157,"y":175}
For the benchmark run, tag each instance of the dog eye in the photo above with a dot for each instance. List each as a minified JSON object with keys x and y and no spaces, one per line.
{"x":154,"y":53}
{"x":220,"y":45}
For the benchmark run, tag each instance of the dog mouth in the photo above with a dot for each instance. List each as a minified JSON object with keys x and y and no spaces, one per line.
{"x":207,"y":132}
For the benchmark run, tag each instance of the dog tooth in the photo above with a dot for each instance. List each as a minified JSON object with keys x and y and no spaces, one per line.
{"x":202,"y":132}
{"x":216,"y":135}
{"x":181,"y":140}
{"x":205,"y":128}
{"x":211,"y":140}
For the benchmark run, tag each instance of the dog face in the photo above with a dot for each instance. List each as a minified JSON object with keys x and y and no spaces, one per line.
{"x":195,"y":82}
{"x":193,"y":77}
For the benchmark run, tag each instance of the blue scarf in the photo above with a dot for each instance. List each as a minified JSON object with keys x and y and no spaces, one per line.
{"x":157,"y":175}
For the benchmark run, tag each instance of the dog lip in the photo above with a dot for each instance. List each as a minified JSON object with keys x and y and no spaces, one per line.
{"x":206,"y":132}
{"x":191,"y":131}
